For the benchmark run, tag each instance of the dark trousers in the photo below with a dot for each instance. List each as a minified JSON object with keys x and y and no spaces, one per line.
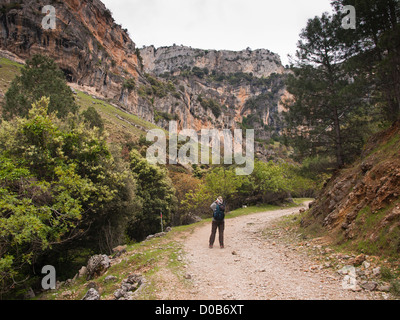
{"x":220,"y":225}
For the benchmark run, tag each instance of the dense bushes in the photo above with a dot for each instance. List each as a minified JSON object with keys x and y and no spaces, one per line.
{"x":157,"y":196}
{"x":211,"y":104}
{"x":40,"y":77}
{"x":62,"y":188}
{"x":57,"y":184}
{"x":270,"y":182}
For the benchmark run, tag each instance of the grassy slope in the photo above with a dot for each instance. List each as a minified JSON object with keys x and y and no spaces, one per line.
{"x":8,"y":71}
{"x":120,"y":125}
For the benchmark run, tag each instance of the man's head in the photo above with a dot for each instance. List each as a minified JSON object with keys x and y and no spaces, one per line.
{"x":220,"y":200}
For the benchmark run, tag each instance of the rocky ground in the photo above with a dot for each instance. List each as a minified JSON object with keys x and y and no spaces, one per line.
{"x":265,"y":258}
{"x":258,"y":263}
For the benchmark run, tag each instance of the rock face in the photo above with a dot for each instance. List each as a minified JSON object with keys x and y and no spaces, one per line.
{"x":87,"y":44}
{"x":362,"y":202}
{"x":97,"y":265}
{"x":260,"y":63}
{"x":220,"y":89}
{"x":198,"y":88}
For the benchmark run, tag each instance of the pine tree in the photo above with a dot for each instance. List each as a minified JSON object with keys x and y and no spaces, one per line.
{"x":324,"y":103}
{"x":374,"y":50}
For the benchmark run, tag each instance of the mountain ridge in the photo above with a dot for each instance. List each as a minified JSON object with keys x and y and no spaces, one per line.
{"x":259,"y":62}
{"x":95,"y":52}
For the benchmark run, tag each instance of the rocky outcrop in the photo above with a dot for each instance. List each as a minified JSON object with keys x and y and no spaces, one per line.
{"x":362,"y":202}
{"x":198,"y":88}
{"x":217,"y":89}
{"x":97,"y":265}
{"x":259,"y":63}
{"x":128,"y":286}
{"x":91,"y":295}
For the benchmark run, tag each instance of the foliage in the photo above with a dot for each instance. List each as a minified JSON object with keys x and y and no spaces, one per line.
{"x":129,"y":84}
{"x":59,"y":185}
{"x":158,"y":88}
{"x":93,"y":118}
{"x":220,"y":181}
{"x":374,"y":50}
{"x":183,"y":183}
{"x":210,"y":104}
{"x":40,"y":77}
{"x":158,"y":115}
{"x":269,"y":182}
{"x":140,"y":58}
{"x":157,"y":195}
{"x":344,"y":82}
{"x":223,"y":182}
{"x":324,"y":103}
{"x":273,"y":182}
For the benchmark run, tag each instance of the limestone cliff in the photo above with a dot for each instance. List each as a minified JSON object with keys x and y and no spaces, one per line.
{"x":198,"y":88}
{"x":260,"y":63}
{"x":223,"y":89}
{"x":87,"y":44}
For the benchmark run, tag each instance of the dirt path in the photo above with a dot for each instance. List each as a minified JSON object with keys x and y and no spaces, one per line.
{"x":251,"y":267}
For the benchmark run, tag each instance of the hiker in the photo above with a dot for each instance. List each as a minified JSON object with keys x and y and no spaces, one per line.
{"x":218,"y":222}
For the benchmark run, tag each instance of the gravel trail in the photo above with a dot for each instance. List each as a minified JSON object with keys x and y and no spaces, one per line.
{"x":253,"y":267}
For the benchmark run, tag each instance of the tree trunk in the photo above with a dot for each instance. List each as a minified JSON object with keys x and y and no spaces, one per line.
{"x":338,"y":140}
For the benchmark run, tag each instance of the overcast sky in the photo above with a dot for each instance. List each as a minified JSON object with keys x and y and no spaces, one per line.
{"x":218,"y":24}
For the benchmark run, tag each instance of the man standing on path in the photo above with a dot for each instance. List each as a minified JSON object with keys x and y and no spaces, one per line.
{"x":218,"y":222}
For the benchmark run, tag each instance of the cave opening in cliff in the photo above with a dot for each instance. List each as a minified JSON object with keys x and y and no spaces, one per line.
{"x":69,"y":75}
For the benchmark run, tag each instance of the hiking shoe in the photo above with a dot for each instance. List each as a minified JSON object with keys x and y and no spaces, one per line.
{"x":210,"y":246}
{"x":222,"y":247}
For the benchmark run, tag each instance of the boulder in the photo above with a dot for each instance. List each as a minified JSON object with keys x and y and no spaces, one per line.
{"x":369,"y":285}
{"x":110,"y":279}
{"x":128,"y":286}
{"x":384,"y":288}
{"x":157,"y":235}
{"x":92,"y":294}
{"x":82,"y":272}
{"x":119,"y":293}
{"x":97,"y":265}
{"x":92,"y":285}
{"x":357,"y":261}
{"x":376,"y":271}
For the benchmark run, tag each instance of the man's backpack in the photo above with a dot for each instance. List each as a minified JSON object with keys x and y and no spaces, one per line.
{"x":219,"y":212}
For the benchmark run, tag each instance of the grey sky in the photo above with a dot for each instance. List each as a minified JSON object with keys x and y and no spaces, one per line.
{"x":218,"y":24}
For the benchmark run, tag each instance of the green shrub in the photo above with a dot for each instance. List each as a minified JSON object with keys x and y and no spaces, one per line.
{"x":129,"y":84}
{"x":60,"y":188}
{"x":40,"y":77}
